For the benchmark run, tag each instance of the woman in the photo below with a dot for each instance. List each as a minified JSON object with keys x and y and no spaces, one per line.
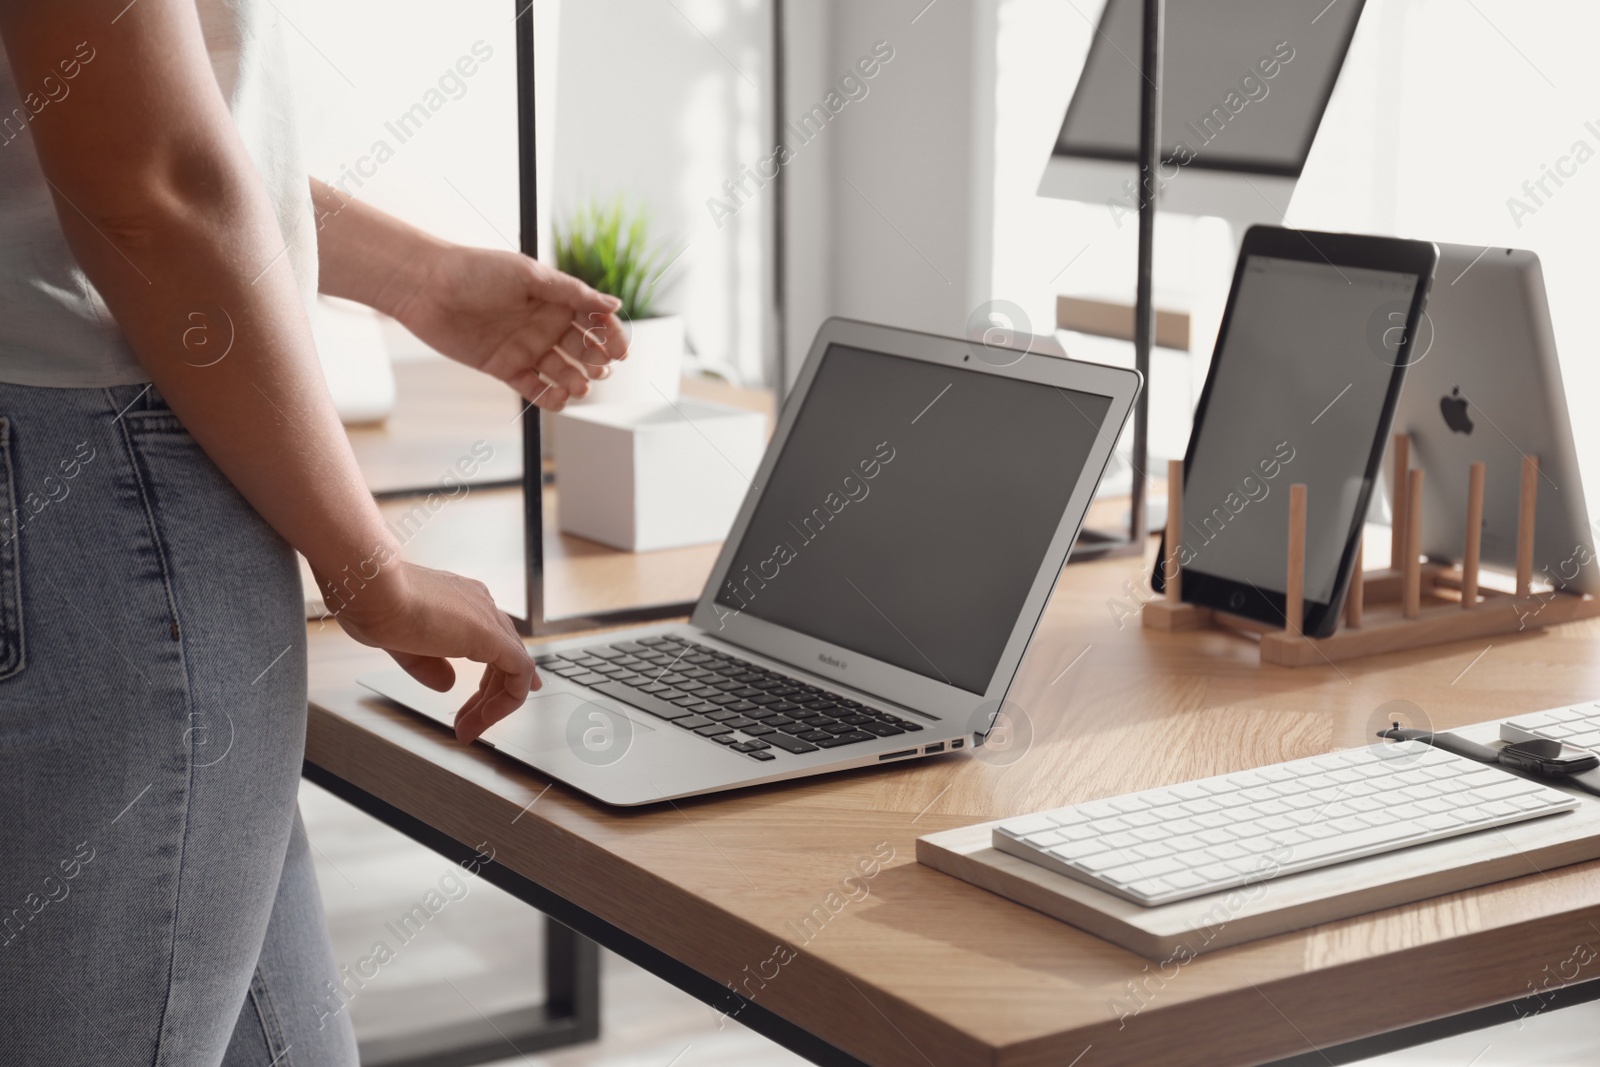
{"x":165,"y":438}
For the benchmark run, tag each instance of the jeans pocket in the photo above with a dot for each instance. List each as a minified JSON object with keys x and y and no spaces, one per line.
{"x":12,"y":650}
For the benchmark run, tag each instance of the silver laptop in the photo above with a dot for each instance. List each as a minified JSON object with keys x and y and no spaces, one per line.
{"x":1487,"y":386}
{"x":874,"y":596}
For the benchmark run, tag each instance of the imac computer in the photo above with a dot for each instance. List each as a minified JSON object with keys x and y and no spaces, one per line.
{"x":1485,"y":386}
{"x":1244,"y":87}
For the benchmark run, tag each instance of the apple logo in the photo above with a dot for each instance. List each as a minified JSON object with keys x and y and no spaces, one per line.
{"x":1454,"y":410}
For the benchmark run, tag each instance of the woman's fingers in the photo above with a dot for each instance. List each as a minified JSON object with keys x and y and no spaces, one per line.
{"x":506,"y":650}
{"x":508,"y":674}
{"x":555,"y":366}
{"x":550,"y":372}
{"x":431,"y":671}
{"x":507,"y":680}
{"x":559,"y":288}
{"x":435,"y":615}
{"x":536,"y":390}
{"x":606,"y":338}
{"x":468,"y":709}
{"x":585,"y":348}
{"x":469,"y":719}
{"x":550,"y":379}
{"x":499,"y":695}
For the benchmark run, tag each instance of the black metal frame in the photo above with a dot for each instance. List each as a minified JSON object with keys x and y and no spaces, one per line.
{"x":1099,"y":544}
{"x":1152,"y":32}
{"x":778,"y":370}
{"x":570,"y":1013}
{"x":1450,"y":1026}
{"x":573,"y":1013}
{"x":537,"y":623}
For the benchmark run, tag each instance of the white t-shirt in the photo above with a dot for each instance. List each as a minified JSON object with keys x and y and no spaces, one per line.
{"x":55,"y":329}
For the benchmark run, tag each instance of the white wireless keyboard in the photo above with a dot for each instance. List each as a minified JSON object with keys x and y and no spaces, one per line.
{"x":1576,"y":725}
{"x":1187,"y":840}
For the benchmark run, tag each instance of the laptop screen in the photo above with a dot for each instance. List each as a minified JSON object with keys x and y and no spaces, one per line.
{"x":910,"y":510}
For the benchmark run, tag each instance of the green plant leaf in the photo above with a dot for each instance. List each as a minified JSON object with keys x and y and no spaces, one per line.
{"x":609,"y":247}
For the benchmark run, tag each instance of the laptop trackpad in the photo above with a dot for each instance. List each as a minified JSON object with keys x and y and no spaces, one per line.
{"x":596,"y":732}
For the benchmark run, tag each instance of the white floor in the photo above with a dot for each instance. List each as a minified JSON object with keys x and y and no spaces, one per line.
{"x":482,"y":951}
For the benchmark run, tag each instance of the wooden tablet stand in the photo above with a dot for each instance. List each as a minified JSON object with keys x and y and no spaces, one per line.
{"x":1415,"y":604}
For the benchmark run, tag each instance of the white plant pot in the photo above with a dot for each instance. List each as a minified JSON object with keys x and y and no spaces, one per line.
{"x":653,"y":476}
{"x":653,"y":370}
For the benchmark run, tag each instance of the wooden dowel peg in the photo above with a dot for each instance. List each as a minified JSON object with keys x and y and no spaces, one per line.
{"x":1397,"y":499}
{"x":1474,"y":549}
{"x":1411,"y":569}
{"x":1407,"y":598}
{"x":1526,"y":506}
{"x":1171,"y":569}
{"x":1355,"y":599}
{"x":1294,"y":587}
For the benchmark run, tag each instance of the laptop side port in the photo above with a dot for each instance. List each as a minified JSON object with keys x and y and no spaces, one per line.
{"x":931,"y":749}
{"x":958,"y":743}
{"x":898,"y":755}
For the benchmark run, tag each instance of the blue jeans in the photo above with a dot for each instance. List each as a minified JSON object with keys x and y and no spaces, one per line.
{"x":157,"y":901}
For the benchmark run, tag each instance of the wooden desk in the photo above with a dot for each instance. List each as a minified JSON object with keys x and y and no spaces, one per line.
{"x":482,"y":533}
{"x":928,"y":970}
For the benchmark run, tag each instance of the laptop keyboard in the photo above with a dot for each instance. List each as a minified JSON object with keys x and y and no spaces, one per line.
{"x":722,"y":698}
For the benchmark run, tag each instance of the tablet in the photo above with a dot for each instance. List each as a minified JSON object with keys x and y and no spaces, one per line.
{"x":1303,"y":385}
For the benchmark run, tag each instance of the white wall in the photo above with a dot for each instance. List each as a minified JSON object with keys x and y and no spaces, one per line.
{"x":1442,"y":111}
{"x":890,"y":206}
{"x":662,"y":103}
{"x":659,"y":102}
{"x":890,"y":218}
{"x":1044,"y":247}
{"x":360,"y":64}
{"x":808,"y":177}
{"x":1487,"y":97}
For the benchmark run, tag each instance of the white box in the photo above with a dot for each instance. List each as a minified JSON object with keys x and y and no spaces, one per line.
{"x":641,"y":478}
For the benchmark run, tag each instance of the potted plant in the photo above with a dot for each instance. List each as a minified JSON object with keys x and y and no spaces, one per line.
{"x":609,"y":246}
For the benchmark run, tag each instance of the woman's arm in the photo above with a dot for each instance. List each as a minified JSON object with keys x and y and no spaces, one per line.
{"x":167,"y":216}
{"x":544,"y":333}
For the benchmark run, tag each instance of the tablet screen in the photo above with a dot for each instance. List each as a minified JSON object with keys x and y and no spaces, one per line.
{"x":1297,"y":395}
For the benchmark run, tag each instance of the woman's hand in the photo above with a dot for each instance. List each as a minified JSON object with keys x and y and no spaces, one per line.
{"x":421,"y":616}
{"x":542,"y":332}
{"x":538,"y":330}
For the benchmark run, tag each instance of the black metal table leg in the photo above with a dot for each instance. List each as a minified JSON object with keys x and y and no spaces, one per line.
{"x":1564,"y":996}
{"x":585,"y":928}
{"x":570,"y":1013}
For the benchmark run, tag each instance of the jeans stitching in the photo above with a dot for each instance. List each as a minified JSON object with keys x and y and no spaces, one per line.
{"x":135,"y":463}
{"x":16,"y":651}
{"x":271,"y":1025}
{"x":154,"y":419}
